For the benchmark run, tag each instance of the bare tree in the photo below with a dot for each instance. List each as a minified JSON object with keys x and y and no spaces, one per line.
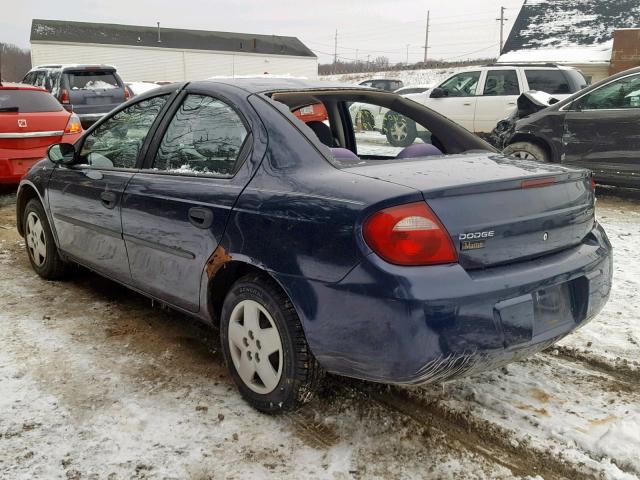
{"x":15,"y":62}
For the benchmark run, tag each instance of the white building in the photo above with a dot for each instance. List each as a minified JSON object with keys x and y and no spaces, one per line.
{"x":169,"y":54}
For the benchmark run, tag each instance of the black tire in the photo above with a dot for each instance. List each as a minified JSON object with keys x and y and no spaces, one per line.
{"x":365,"y":121}
{"x":527,"y":151}
{"x":52,"y":266}
{"x":400,"y":130}
{"x":300,"y":372}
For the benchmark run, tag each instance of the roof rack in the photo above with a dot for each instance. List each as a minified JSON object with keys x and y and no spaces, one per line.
{"x":523,"y":64}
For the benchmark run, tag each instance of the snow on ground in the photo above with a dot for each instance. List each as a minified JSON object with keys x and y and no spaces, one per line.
{"x":408,"y":77}
{"x":96,"y":383}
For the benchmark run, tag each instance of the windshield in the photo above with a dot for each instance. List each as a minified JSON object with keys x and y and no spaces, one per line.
{"x":93,"y":80}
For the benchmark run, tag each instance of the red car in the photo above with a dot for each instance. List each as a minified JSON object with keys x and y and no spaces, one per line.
{"x":31,"y":120}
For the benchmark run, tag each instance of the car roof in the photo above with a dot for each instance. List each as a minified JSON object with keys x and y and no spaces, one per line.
{"x":71,"y":66}
{"x":261,"y":85}
{"x":381,"y":80}
{"x":19,"y":86}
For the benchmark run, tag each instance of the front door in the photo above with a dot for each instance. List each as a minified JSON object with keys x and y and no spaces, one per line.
{"x":602,"y":131}
{"x":175,"y":211}
{"x":85,"y":199}
{"x":459,"y":100}
{"x":498,"y":100}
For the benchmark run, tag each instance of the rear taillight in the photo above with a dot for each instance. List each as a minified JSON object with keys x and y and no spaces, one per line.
{"x":73,"y":125}
{"x":409,"y":235}
{"x":127,"y":93}
{"x":64,"y":96}
{"x":593,"y":182}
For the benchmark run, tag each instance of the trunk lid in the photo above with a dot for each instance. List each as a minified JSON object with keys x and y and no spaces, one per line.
{"x":498,"y":210}
{"x":23,"y":131}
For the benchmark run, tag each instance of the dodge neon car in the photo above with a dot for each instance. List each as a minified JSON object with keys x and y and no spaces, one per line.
{"x":322,"y":250}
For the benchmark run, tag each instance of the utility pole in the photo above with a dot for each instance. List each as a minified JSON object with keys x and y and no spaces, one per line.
{"x":501,"y":20}
{"x":368,"y":61}
{"x":335,"y":51}
{"x":426,"y":38}
{"x":408,"y":53}
{"x":357,"y":56}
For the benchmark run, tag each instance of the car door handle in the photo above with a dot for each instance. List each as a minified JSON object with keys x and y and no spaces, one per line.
{"x":467,"y":104}
{"x":512,"y":103}
{"x":109,"y":199}
{"x":200,"y":217}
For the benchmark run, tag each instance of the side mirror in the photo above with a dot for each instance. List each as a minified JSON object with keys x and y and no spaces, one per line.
{"x":437,"y":93}
{"x":62,"y":153}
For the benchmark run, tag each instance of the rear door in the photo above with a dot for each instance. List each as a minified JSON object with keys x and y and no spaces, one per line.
{"x":601,"y":131}
{"x":459,"y":101}
{"x":175,"y":210}
{"x":500,"y":92}
{"x":85,"y":199}
{"x":94,"y":91}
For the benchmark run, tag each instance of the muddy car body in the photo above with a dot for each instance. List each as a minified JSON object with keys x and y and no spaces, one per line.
{"x":440,"y":260}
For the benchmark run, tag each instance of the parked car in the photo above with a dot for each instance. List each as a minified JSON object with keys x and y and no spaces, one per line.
{"x":31,"y":120}
{"x":137,"y":88}
{"x":595,"y":129}
{"x":386,"y":84}
{"x":315,"y":249}
{"x":312,"y":113}
{"x":479,"y":98}
{"x":88,"y":90}
{"x":414,"y":89}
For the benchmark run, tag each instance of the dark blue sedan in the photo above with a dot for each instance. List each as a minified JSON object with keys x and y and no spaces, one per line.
{"x":403,"y":251}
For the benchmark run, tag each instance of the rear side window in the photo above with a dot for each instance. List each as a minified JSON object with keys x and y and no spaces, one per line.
{"x":92,"y":80}
{"x":549,"y":81}
{"x":501,"y":82}
{"x":205,"y":137}
{"x":28,"y":101}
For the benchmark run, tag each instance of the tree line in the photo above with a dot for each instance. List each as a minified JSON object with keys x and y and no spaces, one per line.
{"x":15,"y":62}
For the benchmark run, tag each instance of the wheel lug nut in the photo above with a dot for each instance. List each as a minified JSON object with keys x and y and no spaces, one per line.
{"x":249,"y":355}
{"x":257,"y":357}
{"x":258,"y":344}
{"x":245,"y":341}
{"x":250,"y":334}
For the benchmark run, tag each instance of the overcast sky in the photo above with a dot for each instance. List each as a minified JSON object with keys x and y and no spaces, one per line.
{"x":459,"y":29}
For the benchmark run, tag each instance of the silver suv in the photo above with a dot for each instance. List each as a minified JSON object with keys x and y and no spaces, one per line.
{"x":88,"y":90}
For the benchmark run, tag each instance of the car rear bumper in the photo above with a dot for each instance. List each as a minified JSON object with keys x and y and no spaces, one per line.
{"x":424,"y":324}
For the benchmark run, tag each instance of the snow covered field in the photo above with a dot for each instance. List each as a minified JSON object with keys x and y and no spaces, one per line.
{"x":409,"y":77}
{"x":95,"y":382}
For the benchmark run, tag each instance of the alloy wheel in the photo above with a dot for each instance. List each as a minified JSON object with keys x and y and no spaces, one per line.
{"x":36,"y":240}
{"x":523,"y":155}
{"x":255,"y":346}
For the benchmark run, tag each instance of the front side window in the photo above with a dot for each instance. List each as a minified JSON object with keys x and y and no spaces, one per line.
{"x":552,"y":82}
{"x":205,"y":137}
{"x":461,"y":85}
{"x":501,"y":83}
{"x":380,"y":132}
{"x":621,"y":94}
{"x":117,"y":142}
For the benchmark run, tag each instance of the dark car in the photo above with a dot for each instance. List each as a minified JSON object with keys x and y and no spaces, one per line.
{"x":596,"y":128}
{"x":318,"y":247}
{"x":90,"y":91}
{"x":385,"y":84}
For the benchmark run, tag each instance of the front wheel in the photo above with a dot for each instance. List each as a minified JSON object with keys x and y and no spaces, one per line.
{"x":41,"y":248}
{"x":265,"y":348}
{"x":527,"y":151}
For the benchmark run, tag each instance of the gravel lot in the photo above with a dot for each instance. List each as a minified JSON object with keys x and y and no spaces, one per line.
{"x":96,"y":382}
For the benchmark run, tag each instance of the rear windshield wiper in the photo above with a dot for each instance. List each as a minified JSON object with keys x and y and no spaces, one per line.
{"x":9,"y":109}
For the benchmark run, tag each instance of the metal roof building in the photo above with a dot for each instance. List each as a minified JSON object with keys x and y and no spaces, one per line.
{"x":169,"y":54}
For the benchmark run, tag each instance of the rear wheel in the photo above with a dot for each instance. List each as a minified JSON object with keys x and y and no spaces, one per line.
{"x":400,"y":131}
{"x":265,"y":348}
{"x":41,"y":248}
{"x":527,"y":151}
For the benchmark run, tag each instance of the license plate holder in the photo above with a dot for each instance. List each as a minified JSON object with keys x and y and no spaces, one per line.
{"x":552,"y":308}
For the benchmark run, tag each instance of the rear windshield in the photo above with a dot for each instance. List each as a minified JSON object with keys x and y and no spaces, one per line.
{"x":27,"y":101}
{"x":553,"y":82}
{"x":93,"y":80}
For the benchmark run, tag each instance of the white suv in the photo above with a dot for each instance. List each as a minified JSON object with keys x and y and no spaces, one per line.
{"x":479,"y":98}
